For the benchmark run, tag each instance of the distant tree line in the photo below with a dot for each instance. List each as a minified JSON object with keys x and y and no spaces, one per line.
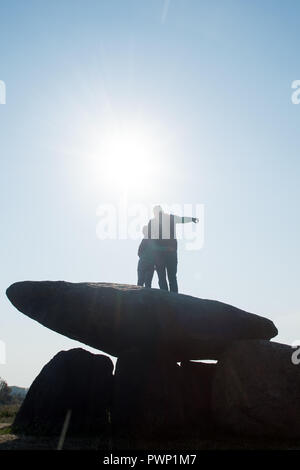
{"x":6,"y":395}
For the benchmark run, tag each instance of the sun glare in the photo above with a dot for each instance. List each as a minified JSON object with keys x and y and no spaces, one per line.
{"x":126,"y":158}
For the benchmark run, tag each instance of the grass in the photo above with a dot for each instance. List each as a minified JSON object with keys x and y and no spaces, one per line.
{"x":5,"y":431}
{"x":8,"y":413}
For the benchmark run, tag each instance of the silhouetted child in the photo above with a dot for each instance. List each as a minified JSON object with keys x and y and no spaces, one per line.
{"x":146,"y":262}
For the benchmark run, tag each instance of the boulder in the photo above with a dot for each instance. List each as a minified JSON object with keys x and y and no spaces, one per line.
{"x":196,"y":386}
{"x":75,"y":381}
{"x":116,"y":317}
{"x":256,"y":390}
{"x":156,"y":401}
{"x":147,"y":400}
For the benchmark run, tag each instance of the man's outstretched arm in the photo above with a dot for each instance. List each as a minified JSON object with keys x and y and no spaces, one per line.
{"x":183,"y":220}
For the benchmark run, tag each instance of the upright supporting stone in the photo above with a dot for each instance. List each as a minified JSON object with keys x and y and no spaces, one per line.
{"x":147,"y":403}
{"x":196,"y":383}
{"x":256,"y":390}
{"x":74,"y":384}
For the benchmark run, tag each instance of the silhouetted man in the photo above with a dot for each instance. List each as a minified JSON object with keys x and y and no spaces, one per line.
{"x":162,"y":228}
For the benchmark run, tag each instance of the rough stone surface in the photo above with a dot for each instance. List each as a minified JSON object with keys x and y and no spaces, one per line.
{"x":256,"y":390}
{"x":74,"y":380}
{"x":157,"y":400}
{"x":115,"y":318}
{"x":196,"y":386}
{"x":147,"y":400}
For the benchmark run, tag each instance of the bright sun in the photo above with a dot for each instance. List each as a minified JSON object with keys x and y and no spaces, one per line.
{"x":126,"y":158}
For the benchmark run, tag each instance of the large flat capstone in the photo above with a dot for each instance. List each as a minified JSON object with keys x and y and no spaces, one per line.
{"x":116,"y":317}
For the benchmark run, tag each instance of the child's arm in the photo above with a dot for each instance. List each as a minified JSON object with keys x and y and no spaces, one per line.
{"x":141,"y":248}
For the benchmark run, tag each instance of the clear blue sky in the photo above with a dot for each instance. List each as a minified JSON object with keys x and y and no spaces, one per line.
{"x":210,"y":81}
